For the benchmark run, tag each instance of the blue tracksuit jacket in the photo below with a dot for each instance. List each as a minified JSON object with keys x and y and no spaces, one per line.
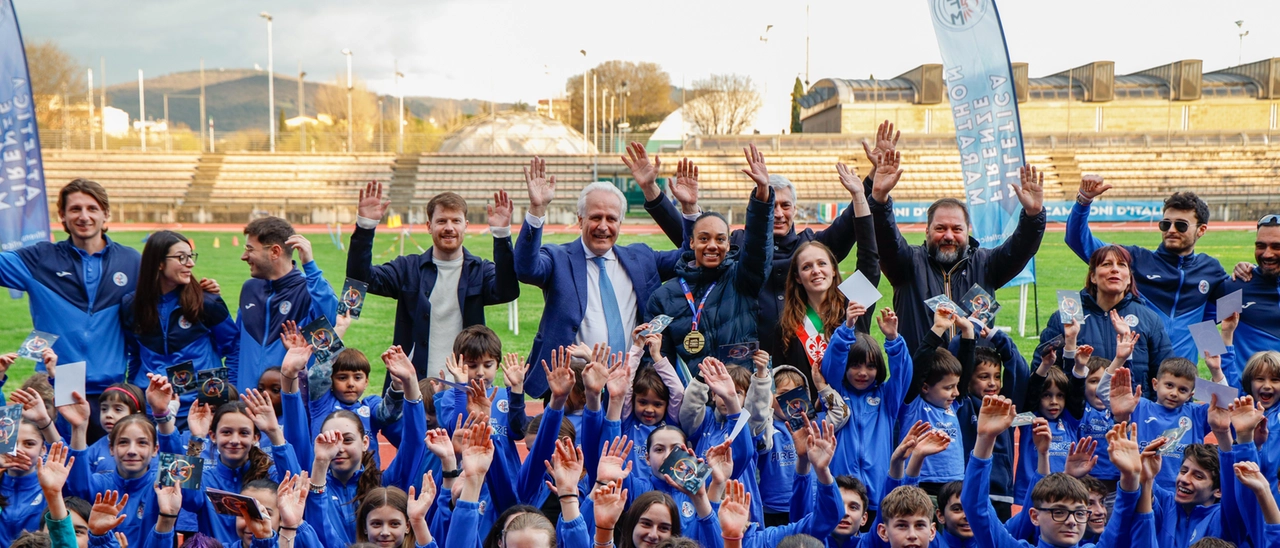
{"x":264,"y":307}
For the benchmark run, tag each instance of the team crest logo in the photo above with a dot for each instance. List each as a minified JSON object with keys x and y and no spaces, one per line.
{"x":483,"y":506}
{"x":503,"y":406}
{"x":183,"y":323}
{"x":959,"y":14}
{"x":1184,"y":422}
{"x":120,"y":279}
{"x":142,"y":506}
{"x":1131,"y":320}
{"x":872,"y":400}
{"x":686,"y":509}
{"x":1204,"y":287}
{"x":285,"y":307}
{"x":363,"y":411}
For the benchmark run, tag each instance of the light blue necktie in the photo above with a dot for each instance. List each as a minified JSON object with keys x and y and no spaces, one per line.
{"x":612,"y":316}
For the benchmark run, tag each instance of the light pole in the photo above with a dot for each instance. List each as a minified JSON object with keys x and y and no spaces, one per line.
{"x":584,"y":99}
{"x":302,"y":111}
{"x":626,"y":94}
{"x":400,"y":115}
{"x":350,"y":122}
{"x":1243,"y":33}
{"x":142,"y":112}
{"x":271,"y":83}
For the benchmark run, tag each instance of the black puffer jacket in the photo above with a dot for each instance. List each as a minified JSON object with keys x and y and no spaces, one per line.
{"x":729,"y":315}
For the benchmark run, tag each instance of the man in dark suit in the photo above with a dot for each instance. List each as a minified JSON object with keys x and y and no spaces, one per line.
{"x":595,"y":290}
{"x":443,"y":290}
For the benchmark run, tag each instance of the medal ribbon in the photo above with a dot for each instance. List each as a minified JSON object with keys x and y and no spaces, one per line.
{"x":688,"y":296}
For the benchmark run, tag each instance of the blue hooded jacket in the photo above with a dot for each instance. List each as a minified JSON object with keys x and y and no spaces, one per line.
{"x":264,"y":307}
{"x":1259,"y":327}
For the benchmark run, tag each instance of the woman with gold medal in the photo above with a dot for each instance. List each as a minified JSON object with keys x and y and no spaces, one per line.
{"x":713,"y":299}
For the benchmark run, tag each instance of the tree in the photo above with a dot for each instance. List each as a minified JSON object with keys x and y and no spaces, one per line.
{"x":649,"y":86}
{"x":724,"y":104}
{"x":796,"y":93}
{"x":54,"y":72}
{"x":332,"y":100}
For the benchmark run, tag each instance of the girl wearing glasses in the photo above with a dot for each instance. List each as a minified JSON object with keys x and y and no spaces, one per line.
{"x":171,"y":319}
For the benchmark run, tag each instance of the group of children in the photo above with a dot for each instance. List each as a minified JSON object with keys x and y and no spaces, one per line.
{"x":936,"y":446}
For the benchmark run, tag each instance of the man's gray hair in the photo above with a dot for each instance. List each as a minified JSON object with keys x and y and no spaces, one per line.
{"x":605,"y":186}
{"x":779,"y":183}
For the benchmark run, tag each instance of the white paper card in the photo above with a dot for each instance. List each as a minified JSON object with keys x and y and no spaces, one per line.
{"x":1207,"y":339}
{"x":1206,"y":388}
{"x":68,"y":378}
{"x":743,"y":417}
{"x":860,"y":290}
{"x":1230,"y":304}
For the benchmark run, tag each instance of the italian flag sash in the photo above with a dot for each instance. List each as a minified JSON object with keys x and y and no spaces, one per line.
{"x":811,"y":336}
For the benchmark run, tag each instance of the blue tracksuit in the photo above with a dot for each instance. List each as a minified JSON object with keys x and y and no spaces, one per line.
{"x":70,"y":298}
{"x":218,"y":475}
{"x":334,"y":512}
{"x":264,"y":307}
{"x":1259,"y":327}
{"x":1065,"y":428}
{"x":864,"y":445}
{"x":1154,"y":419}
{"x":1152,"y":348}
{"x":777,"y":468}
{"x":204,"y":342}
{"x":141,"y":512}
{"x":1264,"y":535}
{"x":500,"y":489}
{"x":820,"y":524}
{"x":1179,"y":527}
{"x":1015,"y":375}
{"x":25,"y":508}
{"x":949,"y":464}
{"x":1096,"y":423}
{"x":1175,"y":287}
{"x":375,"y":412}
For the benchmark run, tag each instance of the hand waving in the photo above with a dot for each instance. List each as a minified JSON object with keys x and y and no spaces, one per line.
{"x":500,"y":210}
{"x":372,"y":205}
{"x":1031,"y":191}
{"x":685,"y":186}
{"x":886,"y":176}
{"x":757,"y":171}
{"x":1091,"y":186}
{"x":542,"y":189}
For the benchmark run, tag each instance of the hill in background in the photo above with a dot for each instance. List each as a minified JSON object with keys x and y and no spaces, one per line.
{"x":237,"y":99}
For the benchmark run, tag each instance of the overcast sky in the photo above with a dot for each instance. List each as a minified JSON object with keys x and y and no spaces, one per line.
{"x":504,"y":49}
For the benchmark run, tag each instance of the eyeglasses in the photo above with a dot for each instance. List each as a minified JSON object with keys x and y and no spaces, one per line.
{"x":1060,"y":514}
{"x":1269,"y":220}
{"x":1180,"y":224}
{"x":184,"y":258}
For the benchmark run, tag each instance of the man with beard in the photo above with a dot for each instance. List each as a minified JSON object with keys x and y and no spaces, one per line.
{"x":950,"y":261}
{"x":1259,"y":327}
{"x":846,"y":229}
{"x":595,"y":290}
{"x":1174,"y":280}
{"x":76,"y":286}
{"x":276,"y":292}
{"x":443,"y":290}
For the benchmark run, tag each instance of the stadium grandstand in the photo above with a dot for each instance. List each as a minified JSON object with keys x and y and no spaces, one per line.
{"x":1149,"y":133}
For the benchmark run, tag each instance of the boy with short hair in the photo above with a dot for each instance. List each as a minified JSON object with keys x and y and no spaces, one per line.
{"x":955,"y":532}
{"x":349,"y":379}
{"x":1059,"y":500}
{"x":906,"y":515}
{"x":938,"y":374}
{"x":1173,"y":409}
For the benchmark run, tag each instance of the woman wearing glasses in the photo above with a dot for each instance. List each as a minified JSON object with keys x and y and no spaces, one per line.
{"x":171,"y":320}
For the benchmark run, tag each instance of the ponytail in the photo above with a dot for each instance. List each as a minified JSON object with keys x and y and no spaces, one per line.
{"x":370,"y":479}
{"x":259,"y":466}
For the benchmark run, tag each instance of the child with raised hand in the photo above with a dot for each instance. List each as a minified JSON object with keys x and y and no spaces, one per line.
{"x":1098,"y":419}
{"x":855,"y":365}
{"x":1080,"y":460}
{"x":343,"y":470}
{"x":1257,"y":505}
{"x":531,"y":486}
{"x":776,"y":447}
{"x":1261,"y":380}
{"x":1059,"y":501}
{"x":52,"y":474}
{"x":1173,"y":409}
{"x":134,"y":443}
{"x":418,"y":507}
{"x":105,"y":516}
{"x":20,"y":492}
{"x":1057,"y":395}
{"x":566,"y":470}
{"x":937,"y":377}
{"x":349,"y":380}
{"x":651,"y":396}
{"x":478,"y":455}
{"x":736,"y":391}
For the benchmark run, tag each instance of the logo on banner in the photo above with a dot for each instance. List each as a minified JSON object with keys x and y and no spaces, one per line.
{"x":959,"y":14}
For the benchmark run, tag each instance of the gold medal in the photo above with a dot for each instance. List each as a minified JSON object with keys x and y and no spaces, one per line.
{"x":693,"y":342}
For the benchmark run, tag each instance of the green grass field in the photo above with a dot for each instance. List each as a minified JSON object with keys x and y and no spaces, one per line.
{"x":1057,"y":268}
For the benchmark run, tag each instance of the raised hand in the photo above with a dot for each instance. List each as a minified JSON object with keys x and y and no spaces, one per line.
{"x":1125,"y":343}
{"x":644,"y":172}
{"x":1118,"y":323}
{"x":594,"y":377}
{"x":53,"y":472}
{"x":612,"y":459}
{"x":1246,"y":417}
{"x":1070,"y":332}
{"x":566,"y":467}
{"x":943,"y":319}
{"x":1031,"y":191}
{"x":420,"y":501}
{"x":479,"y":399}
{"x":849,"y":179}
{"x":461,"y":438}
{"x":402,"y":371}
{"x":1124,"y":398}
{"x":200,"y":419}
{"x":685,"y":186}
{"x":159,"y":392}
{"x":372,"y":205}
{"x":50,"y":360}
{"x":302,"y":245}
{"x":888,"y":322}
{"x":560,"y":376}
{"x":996,"y":416}
{"x":1219,"y":418}
{"x":1083,"y":353}
{"x":822,"y":444}
{"x":341,"y":324}
{"x":514,"y":371}
{"x":327,"y":445}
{"x":886,"y":176}
{"x":1122,"y":445}
{"x":1091,"y":186}
{"x":454,"y":364}
{"x":735,"y":510}
{"x":720,"y":459}
{"x":77,"y":413}
{"x":263,"y":414}
{"x":1152,"y":460}
{"x":542,"y":189}
{"x":291,"y":497}
{"x":934,"y":442}
{"x":1081,"y":457}
{"x":886,"y":141}
{"x":478,"y":455}
{"x":1229,"y":326}
{"x":439,"y":444}
{"x":168,"y":498}
{"x":106,"y":514}
{"x":852,"y":312}
{"x":33,"y":409}
{"x":716,"y":375}
{"x":757,"y":171}
{"x":910,"y":440}
{"x":1252,"y":477}
{"x":619,"y":379}
{"x":609,"y":502}
{"x":290,"y":336}
{"x":1042,"y":436}
{"x":500,"y":211}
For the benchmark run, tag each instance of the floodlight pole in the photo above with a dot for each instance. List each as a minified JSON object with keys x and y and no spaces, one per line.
{"x":350,"y":120}
{"x":400,"y":114}
{"x":584,"y":101}
{"x":142,"y":112}
{"x":271,"y":83}
{"x":302,"y":111}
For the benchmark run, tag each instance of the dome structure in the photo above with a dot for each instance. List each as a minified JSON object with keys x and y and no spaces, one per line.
{"x":520,"y":133}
